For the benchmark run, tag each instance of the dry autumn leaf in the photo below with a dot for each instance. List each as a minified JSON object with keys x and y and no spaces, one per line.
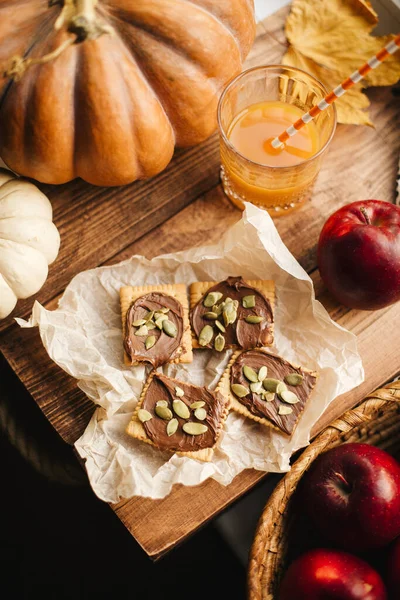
{"x":331,"y":39}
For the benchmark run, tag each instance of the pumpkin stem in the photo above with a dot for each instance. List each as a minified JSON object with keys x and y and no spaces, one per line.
{"x":77,"y":17}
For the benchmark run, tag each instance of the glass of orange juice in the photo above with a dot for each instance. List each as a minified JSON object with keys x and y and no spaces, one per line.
{"x":257,"y":106}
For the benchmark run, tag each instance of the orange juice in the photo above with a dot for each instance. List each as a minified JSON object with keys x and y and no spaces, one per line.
{"x":252,"y":131}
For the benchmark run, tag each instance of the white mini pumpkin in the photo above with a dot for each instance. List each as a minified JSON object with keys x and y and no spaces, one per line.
{"x":29,"y":240}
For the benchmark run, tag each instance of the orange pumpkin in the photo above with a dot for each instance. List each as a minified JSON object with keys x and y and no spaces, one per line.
{"x":122,"y":82}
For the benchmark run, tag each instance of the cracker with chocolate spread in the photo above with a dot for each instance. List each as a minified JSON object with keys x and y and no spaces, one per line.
{"x":267,"y":388}
{"x":232,"y":314}
{"x":179,"y":417}
{"x":155,"y":324}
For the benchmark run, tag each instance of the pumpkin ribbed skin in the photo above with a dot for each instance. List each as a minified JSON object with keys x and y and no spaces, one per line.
{"x":112,"y":109}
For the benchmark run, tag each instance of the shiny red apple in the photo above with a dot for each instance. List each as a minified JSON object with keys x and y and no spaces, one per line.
{"x":393,"y":571}
{"x":359,"y":254}
{"x":352,"y":495}
{"x":331,"y":575}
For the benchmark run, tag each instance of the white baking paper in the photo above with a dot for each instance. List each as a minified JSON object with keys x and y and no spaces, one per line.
{"x":83,"y":336}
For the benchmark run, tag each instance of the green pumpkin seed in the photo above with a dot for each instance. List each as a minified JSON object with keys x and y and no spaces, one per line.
{"x":169,"y":328}
{"x":253,"y":319}
{"x":172,"y":426}
{"x":144,"y":415}
{"x":149,"y":315}
{"x":198,"y":404}
{"x":294,"y":379}
{"x":194,"y":428}
{"x":219,"y":343}
{"x":181,"y":409}
{"x":281,"y":387}
{"x":139,"y":323}
{"x":285,"y":410}
{"x":289,"y":397}
{"x":228,"y":300}
{"x":206,"y":335}
{"x":220,"y":326}
{"x":210,"y":316}
{"x":163,"y":310}
{"x":262,"y":373}
{"x":256,"y":387}
{"x":212,"y":298}
{"x":248,"y":301}
{"x":200,"y":413}
{"x":217,"y":309}
{"x":230,"y":314}
{"x":250,"y":374}
{"x":236,"y":304}
{"x":268,"y":396}
{"x":150,"y":341}
{"x":239,"y":390}
{"x":163,"y":412}
{"x":179,"y":392}
{"x":142,"y":331}
{"x":150,"y":325}
{"x":162,"y":403}
{"x":159,"y":316}
{"x":271,"y":384}
{"x":159,"y":322}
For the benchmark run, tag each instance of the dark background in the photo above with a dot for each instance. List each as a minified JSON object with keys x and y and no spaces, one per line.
{"x":59,"y":542}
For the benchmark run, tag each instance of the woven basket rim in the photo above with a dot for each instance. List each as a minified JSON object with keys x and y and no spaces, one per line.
{"x":265,"y":544}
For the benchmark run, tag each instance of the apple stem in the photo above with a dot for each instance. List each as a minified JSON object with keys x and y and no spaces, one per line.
{"x":365,"y":215}
{"x":346,"y":484}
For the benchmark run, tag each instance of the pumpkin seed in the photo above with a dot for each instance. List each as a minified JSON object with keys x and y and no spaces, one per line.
{"x":230,"y":314}
{"x":142,"y":331}
{"x":200,"y":413}
{"x":281,"y":387}
{"x":162,"y":403}
{"x":163,"y":310}
{"x":179,"y":392}
{"x":150,"y":325}
{"x":220,"y":326}
{"x":285,"y":410}
{"x":219,"y":343}
{"x":262,"y":373}
{"x":256,"y":387}
{"x":236,"y":304}
{"x":144,"y":415}
{"x":271,"y":384}
{"x":253,"y":319}
{"x":198,"y":404}
{"x":172,"y":426}
{"x":239,"y":390}
{"x":163,"y":412}
{"x":149,"y":315}
{"x":169,"y":328}
{"x":210,"y":316}
{"x":181,"y":409}
{"x":206,"y":335}
{"x":212,"y":298}
{"x":268,"y":396}
{"x":248,"y":301}
{"x":294,"y":379}
{"x":150,"y":341}
{"x":217,"y":309}
{"x":289,"y":397}
{"x":139,"y":323}
{"x":159,"y":322}
{"x":250,"y":374}
{"x":159,"y":316}
{"x":228,"y":300}
{"x":194,"y":428}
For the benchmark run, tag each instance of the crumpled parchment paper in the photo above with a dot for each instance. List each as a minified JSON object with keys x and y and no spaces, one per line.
{"x":83,"y":336}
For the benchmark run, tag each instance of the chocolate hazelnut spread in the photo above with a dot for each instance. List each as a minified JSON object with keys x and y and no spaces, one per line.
{"x":163,"y":388}
{"x":277,"y":368}
{"x":164,"y":347}
{"x":241,"y":332}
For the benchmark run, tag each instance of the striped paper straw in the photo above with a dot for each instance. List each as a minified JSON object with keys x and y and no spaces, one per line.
{"x":341,"y":89}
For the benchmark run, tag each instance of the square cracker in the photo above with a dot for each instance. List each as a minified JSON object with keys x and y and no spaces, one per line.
{"x":129,"y":294}
{"x":199,"y":288}
{"x":224,"y":386}
{"x":136,"y":430}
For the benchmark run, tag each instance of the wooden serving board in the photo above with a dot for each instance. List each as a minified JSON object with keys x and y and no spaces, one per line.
{"x":182,"y":207}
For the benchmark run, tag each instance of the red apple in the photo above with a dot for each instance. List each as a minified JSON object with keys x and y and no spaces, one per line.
{"x":331,"y":575}
{"x":359,"y":254}
{"x":352,"y":494}
{"x":393,"y":571}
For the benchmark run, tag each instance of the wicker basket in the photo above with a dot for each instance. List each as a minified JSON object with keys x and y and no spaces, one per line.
{"x":375,"y":421}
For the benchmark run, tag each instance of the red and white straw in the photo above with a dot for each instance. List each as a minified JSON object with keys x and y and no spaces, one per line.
{"x":341,"y":89}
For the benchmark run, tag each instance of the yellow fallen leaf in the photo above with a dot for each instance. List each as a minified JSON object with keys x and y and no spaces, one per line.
{"x":331,"y":39}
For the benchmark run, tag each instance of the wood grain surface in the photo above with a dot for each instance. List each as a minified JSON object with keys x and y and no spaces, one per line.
{"x":181,"y":208}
